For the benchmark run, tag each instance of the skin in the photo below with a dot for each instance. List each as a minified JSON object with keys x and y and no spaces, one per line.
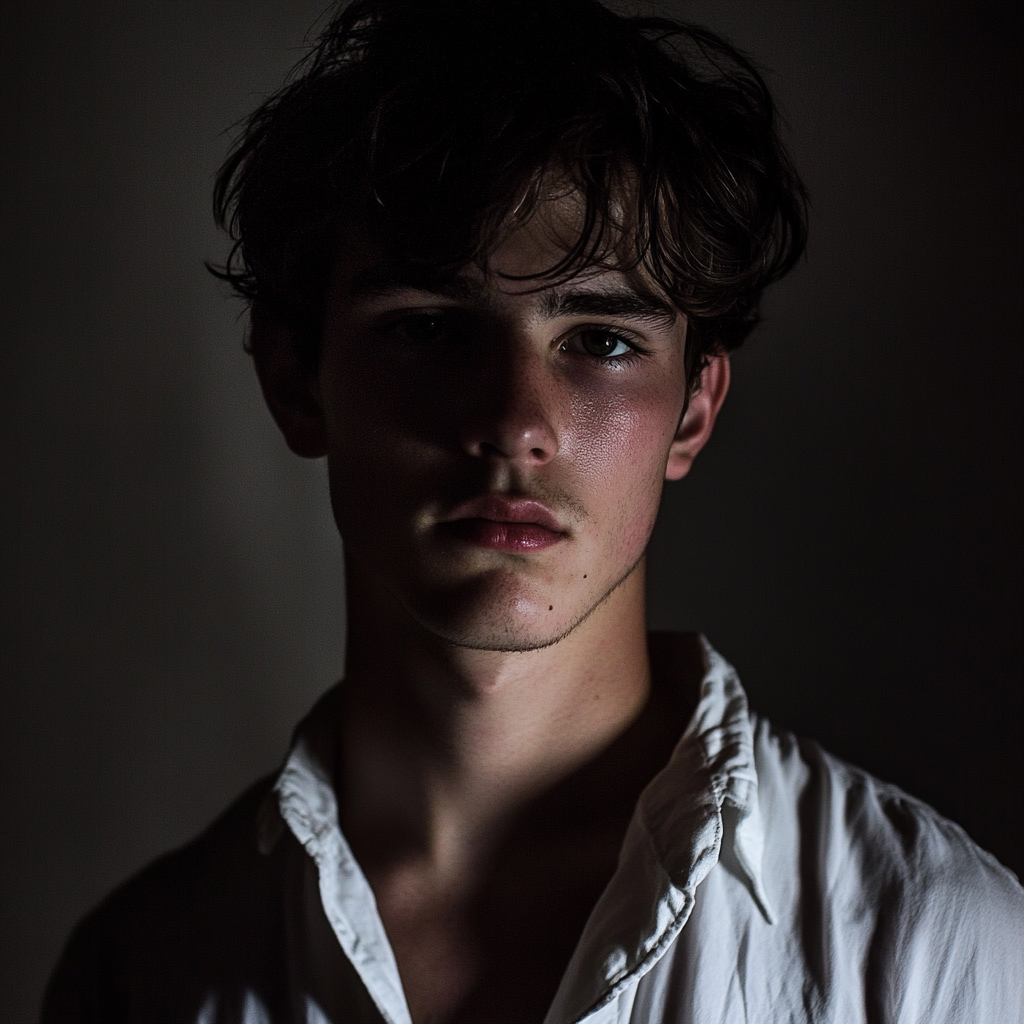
{"x":499,"y":716}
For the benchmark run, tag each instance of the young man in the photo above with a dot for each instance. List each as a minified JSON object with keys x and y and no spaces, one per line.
{"x":497,"y":255}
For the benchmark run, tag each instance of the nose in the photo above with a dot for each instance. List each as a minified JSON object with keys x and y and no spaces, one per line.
{"x":515,"y":412}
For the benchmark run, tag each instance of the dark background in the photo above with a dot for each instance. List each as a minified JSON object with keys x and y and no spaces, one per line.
{"x":172,"y":589}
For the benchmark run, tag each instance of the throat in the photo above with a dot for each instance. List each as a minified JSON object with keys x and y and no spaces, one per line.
{"x":488,"y":826}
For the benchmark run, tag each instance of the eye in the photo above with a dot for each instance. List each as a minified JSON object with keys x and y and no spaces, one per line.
{"x":599,"y":342}
{"x":424,"y":328}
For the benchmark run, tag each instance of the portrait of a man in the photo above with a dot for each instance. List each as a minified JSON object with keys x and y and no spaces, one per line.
{"x":497,"y":261}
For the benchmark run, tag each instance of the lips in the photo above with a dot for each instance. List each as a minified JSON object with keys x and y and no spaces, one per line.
{"x":505,"y":524}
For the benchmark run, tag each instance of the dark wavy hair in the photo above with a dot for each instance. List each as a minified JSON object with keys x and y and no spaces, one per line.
{"x":441,"y":123}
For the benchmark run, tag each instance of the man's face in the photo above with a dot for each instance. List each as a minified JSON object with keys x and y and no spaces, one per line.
{"x":497,"y":452}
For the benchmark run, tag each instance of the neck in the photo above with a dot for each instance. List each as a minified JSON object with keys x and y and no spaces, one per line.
{"x":442,"y":746}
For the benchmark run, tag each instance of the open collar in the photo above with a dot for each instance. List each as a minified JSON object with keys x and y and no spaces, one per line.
{"x":705,"y":795}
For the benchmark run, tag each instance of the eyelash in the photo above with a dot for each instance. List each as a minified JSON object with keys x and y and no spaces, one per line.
{"x":635,"y":351}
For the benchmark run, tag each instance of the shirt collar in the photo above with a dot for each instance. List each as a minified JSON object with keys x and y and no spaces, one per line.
{"x":706,"y":795}
{"x":308,"y":805}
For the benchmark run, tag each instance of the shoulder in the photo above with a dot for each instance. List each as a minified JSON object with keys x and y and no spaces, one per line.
{"x":887,"y":882}
{"x":191,"y":923}
{"x":886,"y":830}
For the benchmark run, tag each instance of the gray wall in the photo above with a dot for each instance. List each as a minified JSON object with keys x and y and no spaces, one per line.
{"x":172,"y":585}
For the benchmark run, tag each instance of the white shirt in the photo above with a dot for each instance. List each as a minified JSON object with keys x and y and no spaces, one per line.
{"x":760,"y":879}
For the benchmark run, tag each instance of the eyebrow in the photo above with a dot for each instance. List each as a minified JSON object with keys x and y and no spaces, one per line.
{"x":616,"y":303}
{"x":374,"y":282}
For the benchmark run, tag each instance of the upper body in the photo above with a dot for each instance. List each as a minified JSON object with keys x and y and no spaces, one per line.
{"x":760,"y":879}
{"x":497,"y":255}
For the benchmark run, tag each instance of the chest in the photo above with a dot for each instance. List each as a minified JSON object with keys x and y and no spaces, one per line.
{"x":500,"y":954}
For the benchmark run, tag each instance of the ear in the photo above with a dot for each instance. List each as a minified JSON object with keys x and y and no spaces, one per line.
{"x":289,"y":388}
{"x":696,"y":425}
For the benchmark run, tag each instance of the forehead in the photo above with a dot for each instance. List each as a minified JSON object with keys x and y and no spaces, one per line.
{"x":527,"y":265}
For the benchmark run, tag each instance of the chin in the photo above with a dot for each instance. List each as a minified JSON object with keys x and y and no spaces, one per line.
{"x":498,"y":614}
{"x":486,"y":617}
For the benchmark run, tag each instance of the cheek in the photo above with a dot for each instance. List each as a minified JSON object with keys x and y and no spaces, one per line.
{"x":620,"y":444}
{"x":622,"y":432}
{"x":392,"y":409}
{"x":365,"y":410}
{"x":362,"y":459}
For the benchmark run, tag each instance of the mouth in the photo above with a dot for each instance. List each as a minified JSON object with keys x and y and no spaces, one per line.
{"x":500,"y":523}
